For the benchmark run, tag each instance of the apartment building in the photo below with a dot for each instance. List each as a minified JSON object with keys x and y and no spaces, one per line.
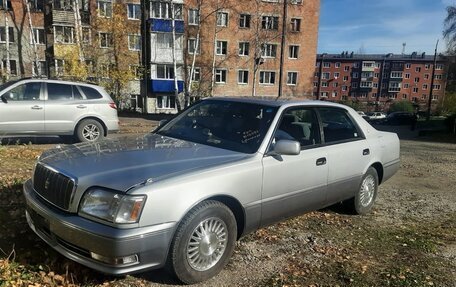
{"x":227,"y":48}
{"x":379,"y":80}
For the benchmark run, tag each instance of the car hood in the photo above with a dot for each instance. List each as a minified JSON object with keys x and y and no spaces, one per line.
{"x":125,"y":162}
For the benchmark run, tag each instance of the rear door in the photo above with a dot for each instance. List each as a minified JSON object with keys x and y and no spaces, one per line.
{"x":348,"y":153}
{"x":23,"y":111}
{"x":63,"y":108}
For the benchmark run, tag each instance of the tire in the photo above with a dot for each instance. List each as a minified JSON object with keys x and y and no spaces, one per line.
{"x":89,"y":131}
{"x":196,"y":254}
{"x":366,"y":194}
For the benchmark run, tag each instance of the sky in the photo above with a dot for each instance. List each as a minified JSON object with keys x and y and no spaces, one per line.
{"x":381,"y":26}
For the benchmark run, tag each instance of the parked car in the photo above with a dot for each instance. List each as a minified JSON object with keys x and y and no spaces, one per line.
{"x":52,"y":107}
{"x":182,"y":195}
{"x":376,"y":115}
{"x":361,"y":113}
{"x":399,"y":118}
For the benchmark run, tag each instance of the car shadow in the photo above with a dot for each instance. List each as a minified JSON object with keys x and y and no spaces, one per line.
{"x":38,"y":140}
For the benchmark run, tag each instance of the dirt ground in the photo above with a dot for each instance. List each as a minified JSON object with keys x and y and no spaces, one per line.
{"x":409,"y":239}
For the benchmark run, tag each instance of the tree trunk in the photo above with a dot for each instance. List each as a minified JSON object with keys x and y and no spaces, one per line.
{"x":78,"y":30}
{"x":176,"y":86}
{"x":32,"y":32}
{"x":8,"y":67}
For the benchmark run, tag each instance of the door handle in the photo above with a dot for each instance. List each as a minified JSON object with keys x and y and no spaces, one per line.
{"x":321,"y":161}
{"x":81,"y":107}
{"x":366,"y":151}
{"x":37,"y":107}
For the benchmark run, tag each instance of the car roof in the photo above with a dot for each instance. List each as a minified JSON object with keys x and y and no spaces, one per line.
{"x":57,"y":81}
{"x":277,"y":103}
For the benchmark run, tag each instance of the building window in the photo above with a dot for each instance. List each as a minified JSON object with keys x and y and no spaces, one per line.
{"x":355,"y":65}
{"x":244,"y":21}
{"x":374,"y":95}
{"x":61,"y":4}
{"x":438,"y":77}
{"x":3,"y":35}
{"x":192,"y":47}
{"x":316,"y":74}
{"x":104,"y":9}
{"x":270,"y":22}
{"x":165,"y":72}
{"x":323,"y":94}
{"x":38,"y":34}
{"x":334,"y":94}
{"x":404,"y":96}
{"x":335,"y":85}
{"x":336,"y":75}
{"x":243,"y":77}
{"x":59,"y":67}
{"x":366,"y":84}
{"x":394,"y":87}
{"x":417,"y":80}
{"x":86,"y":36}
{"x":393,"y":96}
{"x":415,"y":90}
{"x":164,"y":40}
{"x":135,"y":71}
{"x":326,"y":65}
{"x":427,"y":66}
{"x":396,"y":75}
{"x":345,"y":78}
{"x":439,"y":66}
{"x":13,"y":67}
{"x":221,"y":48}
{"x":193,"y":17}
{"x":292,"y":78}
{"x":166,"y":102}
{"x":425,"y":86}
{"x":376,"y":75}
{"x":423,"y":96}
{"x":406,"y":86}
{"x":344,"y":88}
{"x":196,"y":74}
{"x":63,"y":34}
{"x":163,"y":10}
{"x":267,"y":77}
{"x":296,"y":2}
{"x":220,"y":76}
{"x":134,"y":42}
{"x":293,"y":51}
{"x":134,"y":11}
{"x":269,"y":50}
{"x":375,"y":85}
{"x":244,"y":48}
{"x":426,"y":76}
{"x":315,"y":84}
{"x":436,"y":87}
{"x":355,"y":75}
{"x":407,"y":75}
{"x":325,"y":75}
{"x":337,"y":65}
{"x":105,"y":40}
{"x":222,"y":19}
{"x":354,"y":85}
{"x":377,"y":65}
{"x":41,"y":70}
{"x":408,"y":65}
{"x":418,"y":69}
{"x":295,"y":24}
{"x":324,"y":84}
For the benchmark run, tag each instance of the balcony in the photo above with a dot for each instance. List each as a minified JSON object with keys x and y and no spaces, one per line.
{"x":368,"y":66}
{"x":397,"y":66}
{"x":365,"y":85}
{"x":166,"y":25}
{"x":166,"y":86}
{"x":63,"y":16}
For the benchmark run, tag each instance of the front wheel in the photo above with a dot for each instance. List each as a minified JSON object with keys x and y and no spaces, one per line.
{"x":203,"y":243}
{"x":89,"y":131}
{"x":365,"y":197}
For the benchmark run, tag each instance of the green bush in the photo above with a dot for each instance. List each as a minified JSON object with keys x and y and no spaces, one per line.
{"x":402,"y":106}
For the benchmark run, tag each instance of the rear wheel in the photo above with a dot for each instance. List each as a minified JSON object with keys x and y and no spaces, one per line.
{"x":203,"y":243}
{"x":365,"y":197}
{"x":89,"y":131}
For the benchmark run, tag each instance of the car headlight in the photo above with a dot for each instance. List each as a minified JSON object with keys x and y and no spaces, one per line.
{"x":111,"y":206}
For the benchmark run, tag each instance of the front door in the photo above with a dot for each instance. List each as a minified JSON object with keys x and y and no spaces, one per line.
{"x":22,"y":110}
{"x":293,"y":184}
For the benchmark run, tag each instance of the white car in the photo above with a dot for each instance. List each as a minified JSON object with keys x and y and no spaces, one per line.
{"x":376,"y":115}
{"x":52,"y":107}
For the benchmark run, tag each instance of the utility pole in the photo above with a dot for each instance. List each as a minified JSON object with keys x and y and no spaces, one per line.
{"x":282,"y":47}
{"x":8,"y":67}
{"x":145,"y":50}
{"x":428,"y":116}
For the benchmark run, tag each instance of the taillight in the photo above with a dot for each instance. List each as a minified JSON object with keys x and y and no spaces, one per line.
{"x":113,"y":105}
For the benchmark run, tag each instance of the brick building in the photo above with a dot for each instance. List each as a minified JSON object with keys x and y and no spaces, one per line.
{"x":222,"y":48}
{"x":379,"y":80}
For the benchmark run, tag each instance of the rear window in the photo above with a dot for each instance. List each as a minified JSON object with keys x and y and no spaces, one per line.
{"x":90,"y":93}
{"x":337,"y":125}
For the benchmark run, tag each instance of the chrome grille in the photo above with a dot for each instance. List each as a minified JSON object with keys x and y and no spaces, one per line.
{"x":54,"y":187}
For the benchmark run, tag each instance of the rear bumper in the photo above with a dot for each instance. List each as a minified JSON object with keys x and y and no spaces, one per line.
{"x":112,"y":126}
{"x":389,"y":169}
{"x":78,"y":238}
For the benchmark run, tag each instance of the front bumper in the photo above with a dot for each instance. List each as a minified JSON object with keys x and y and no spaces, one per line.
{"x":78,"y":238}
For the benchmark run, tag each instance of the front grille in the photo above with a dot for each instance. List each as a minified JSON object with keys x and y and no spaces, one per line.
{"x":54,"y":187}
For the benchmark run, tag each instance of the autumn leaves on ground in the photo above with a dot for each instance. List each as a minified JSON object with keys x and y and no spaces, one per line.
{"x":409,"y":240}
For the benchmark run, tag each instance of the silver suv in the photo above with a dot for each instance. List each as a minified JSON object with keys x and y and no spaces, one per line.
{"x":52,"y":107}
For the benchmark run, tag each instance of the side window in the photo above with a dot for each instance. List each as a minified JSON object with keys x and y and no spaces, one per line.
{"x":337,"y":125}
{"x":59,"y":92}
{"x":24,"y":92}
{"x":76,"y":94}
{"x":90,"y":93}
{"x":300,"y":124}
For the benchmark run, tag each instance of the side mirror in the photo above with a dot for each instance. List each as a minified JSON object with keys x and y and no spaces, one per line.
{"x":287,"y":147}
{"x":4,"y":99}
{"x":162,"y":123}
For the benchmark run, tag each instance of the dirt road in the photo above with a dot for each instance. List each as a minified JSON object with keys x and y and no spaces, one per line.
{"x":409,"y":239}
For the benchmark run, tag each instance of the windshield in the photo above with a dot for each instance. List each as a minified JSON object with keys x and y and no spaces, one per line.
{"x":229,"y":125}
{"x":7,"y":84}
